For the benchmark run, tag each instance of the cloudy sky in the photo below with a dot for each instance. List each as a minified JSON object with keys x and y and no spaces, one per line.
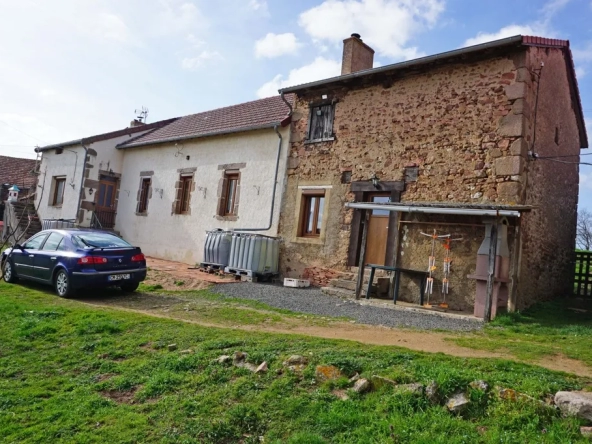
{"x":74,"y":68}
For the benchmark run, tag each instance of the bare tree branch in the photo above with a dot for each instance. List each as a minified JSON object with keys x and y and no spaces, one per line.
{"x":584,"y":230}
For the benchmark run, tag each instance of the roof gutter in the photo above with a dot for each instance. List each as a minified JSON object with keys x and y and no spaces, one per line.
{"x":433,"y":210}
{"x":198,"y":136}
{"x":408,"y":64}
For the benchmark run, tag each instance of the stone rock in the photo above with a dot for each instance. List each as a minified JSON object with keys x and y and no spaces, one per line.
{"x":458,"y":402}
{"x":415,"y":388}
{"x":340,"y":394}
{"x":586,"y":431}
{"x":508,"y":165}
{"x":223,"y":359}
{"x":479,"y":385}
{"x":379,"y":381}
{"x":262,"y":368}
{"x":354,"y":378}
{"x":296,"y":360}
{"x":327,"y":373}
{"x":172,"y":347}
{"x":186,"y":352}
{"x":519,"y":147}
{"x":575,"y":403}
{"x":515,"y":91}
{"x":362,"y":385}
{"x":511,"y":125}
{"x":509,"y":191}
{"x":431,"y":392}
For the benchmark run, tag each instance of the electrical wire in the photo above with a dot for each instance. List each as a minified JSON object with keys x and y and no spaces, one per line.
{"x":563,"y":161}
{"x":22,"y":132}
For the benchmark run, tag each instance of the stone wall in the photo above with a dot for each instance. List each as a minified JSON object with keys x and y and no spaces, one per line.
{"x":465,"y":126}
{"x":548,"y":233}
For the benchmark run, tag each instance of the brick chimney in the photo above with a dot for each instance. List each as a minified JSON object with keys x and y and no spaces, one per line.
{"x":135,"y":123}
{"x":357,"y":56}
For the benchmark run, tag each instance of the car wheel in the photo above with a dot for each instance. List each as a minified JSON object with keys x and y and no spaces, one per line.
{"x":8,"y":272}
{"x":130,"y":288}
{"x":62,"y":284}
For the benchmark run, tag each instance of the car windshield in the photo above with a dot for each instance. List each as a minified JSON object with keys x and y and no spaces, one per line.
{"x":98,"y":240}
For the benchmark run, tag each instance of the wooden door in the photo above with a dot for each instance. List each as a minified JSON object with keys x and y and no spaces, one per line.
{"x":105,"y":203}
{"x":378,"y":228}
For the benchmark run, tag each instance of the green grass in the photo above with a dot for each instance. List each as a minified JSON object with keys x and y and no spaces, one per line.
{"x":73,"y":373}
{"x":546,"y":329}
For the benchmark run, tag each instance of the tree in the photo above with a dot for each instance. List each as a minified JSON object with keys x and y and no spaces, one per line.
{"x":584,"y":230}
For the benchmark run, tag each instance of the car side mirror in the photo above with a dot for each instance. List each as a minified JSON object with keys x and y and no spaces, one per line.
{"x":19,"y":246}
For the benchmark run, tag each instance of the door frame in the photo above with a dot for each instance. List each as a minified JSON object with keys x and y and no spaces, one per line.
{"x":361,"y":191}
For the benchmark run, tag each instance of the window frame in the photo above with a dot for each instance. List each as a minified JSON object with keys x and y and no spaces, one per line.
{"x":145,"y":185}
{"x":230,"y":194}
{"x":327,"y":134}
{"x":185,"y":198}
{"x":317,"y":213}
{"x":57,"y":180}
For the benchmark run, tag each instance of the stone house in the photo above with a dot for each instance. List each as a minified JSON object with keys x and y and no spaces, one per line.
{"x":439,"y":144}
{"x":163,"y":185}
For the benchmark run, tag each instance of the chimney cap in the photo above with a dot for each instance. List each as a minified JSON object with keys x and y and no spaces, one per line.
{"x":356,"y":35}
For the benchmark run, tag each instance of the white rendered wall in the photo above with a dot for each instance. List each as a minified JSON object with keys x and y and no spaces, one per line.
{"x":181,"y":237}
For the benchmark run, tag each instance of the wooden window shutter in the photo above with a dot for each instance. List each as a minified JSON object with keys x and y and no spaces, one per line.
{"x":222,"y":186}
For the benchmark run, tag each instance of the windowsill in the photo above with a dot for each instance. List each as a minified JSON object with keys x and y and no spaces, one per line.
{"x":142,"y":214}
{"x":229,"y":218}
{"x":56,"y":206}
{"x":309,"y":240}
{"x":328,"y":139}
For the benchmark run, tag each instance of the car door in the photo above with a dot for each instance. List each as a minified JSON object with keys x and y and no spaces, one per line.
{"x":24,"y":259}
{"x":48,"y":256}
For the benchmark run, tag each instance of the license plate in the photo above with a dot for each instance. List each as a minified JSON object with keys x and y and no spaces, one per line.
{"x":119,"y":277}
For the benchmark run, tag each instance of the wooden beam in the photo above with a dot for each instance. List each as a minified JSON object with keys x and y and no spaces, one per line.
{"x":367,"y":186}
{"x":515,"y":267}
{"x":491,"y":272}
{"x":395,"y":252}
{"x":361,"y":263}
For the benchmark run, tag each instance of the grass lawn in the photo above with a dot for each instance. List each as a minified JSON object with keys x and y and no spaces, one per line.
{"x":74,"y":373}
{"x":542,"y":331}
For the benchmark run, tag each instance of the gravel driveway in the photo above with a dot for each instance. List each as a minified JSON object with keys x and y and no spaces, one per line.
{"x":313,"y":301}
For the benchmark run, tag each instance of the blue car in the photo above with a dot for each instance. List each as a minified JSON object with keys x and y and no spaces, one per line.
{"x":75,"y":258}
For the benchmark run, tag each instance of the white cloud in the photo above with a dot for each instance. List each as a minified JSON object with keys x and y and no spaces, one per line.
{"x":258,"y":5}
{"x":194,"y":63}
{"x":541,"y":27}
{"x":321,"y":68}
{"x":387,"y":25}
{"x":506,"y":31}
{"x":112,"y":27}
{"x":275,"y":45}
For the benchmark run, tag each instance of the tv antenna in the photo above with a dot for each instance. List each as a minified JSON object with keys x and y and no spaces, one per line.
{"x":141,"y":114}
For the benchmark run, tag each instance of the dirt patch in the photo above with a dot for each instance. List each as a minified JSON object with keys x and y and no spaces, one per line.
{"x":430,"y":342}
{"x":121,"y":397}
{"x":175,"y":276}
{"x":105,"y":377}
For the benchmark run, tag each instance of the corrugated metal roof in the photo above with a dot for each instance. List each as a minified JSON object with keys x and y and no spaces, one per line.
{"x":263,"y":113}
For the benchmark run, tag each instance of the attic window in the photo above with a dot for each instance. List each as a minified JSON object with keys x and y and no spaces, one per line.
{"x":320,"y":124}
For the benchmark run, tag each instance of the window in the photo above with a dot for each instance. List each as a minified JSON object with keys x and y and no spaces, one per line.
{"x":230,"y":192}
{"x":53,"y":241}
{"x":321,"y":123}
{"x":35,"y":243}
{"x":59,"y":184}
{"x":99,"y":240}
{"x":184,"y":194}
{"x":144,"y":195}
{"x":311,"y":215}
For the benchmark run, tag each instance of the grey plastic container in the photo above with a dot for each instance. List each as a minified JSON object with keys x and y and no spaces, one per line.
{"x":217,"y":247}
{"x":254,"y":252}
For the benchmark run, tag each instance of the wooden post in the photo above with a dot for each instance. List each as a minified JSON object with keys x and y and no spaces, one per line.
{"x":361,"y":263}
{"x":516,"y":262}
{"x":491,"y":272}
{"x":392,"y":281}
